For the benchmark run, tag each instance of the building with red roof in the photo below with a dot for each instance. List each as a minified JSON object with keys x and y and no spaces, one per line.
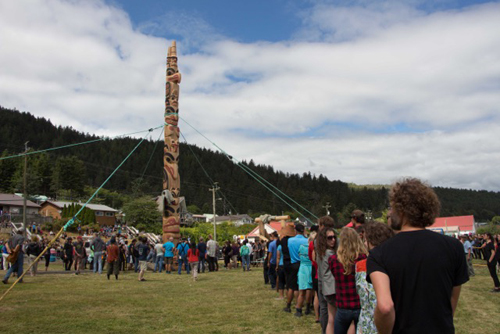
{"x":454,"y":225}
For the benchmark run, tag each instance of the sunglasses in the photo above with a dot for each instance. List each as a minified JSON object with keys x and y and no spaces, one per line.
{"x":331,"y":237}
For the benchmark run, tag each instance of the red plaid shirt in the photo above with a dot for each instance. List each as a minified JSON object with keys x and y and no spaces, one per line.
{"x":345,"y":285}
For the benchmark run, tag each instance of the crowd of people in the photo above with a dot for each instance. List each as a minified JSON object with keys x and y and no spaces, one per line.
{"x":374,"y":277}
{"x":371,"y":277}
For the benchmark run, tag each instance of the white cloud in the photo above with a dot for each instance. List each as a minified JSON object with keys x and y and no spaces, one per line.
{"x":331,"y":103}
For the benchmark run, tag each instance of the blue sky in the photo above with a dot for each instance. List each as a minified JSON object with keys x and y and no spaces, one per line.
{"x":410,"y":86}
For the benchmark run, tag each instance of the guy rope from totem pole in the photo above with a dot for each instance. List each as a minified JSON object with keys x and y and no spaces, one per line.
{"x":171,"y":180}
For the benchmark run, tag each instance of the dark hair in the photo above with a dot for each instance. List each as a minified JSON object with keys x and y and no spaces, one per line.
{"x":326,"y":221}
{"x":193,"y":246}
{"x":377,"y":233}
{"x":314,"y":228}
{"x":415,"y":201}
{"x":275,"y":234}
{"x":113,"y":240}
{"x":358,"y":216}
{"x":321,"y":242}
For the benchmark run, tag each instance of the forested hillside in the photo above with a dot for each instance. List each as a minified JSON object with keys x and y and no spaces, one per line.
{"x":68,"y":171}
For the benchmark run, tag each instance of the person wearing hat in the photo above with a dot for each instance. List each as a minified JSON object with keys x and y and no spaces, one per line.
{"x":357,"y":219}
{"x":13,"y":246}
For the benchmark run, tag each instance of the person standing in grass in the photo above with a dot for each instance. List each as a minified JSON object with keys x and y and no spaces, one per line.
{"x":14,"y":247}
{"x":68,"y":254}
{"x":98,"y":246}
{"x":491,"y":255}
{"x":47,"y":253}
{"x":271,"y":259}
{"x":142,"y":251}
{"x":113,"y":258}
{"x":168,"y":249}
{"x":202,"y":249}
{"x":234,"y":256}
{"x":325,"y":246}
{"x":468,"y":253}
{"x":211,"y":253}
{"x":281,"y":271}
{"x":417,"y":274}
{"x":226,"y":252}
{"x":33,"y":250}
{"x":305,"y":278}
{"x":80,"y":254}
{"x":193,"y":258}
{"x":245,"y":256}
{"x":159,"y":257}
{"x":376,"y":233}
{"x":342,"y":265}
{"x":292,"y":277}
{"x":182,"y":251}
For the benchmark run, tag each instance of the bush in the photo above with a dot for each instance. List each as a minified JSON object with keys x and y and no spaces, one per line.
{"x":490,"y":228}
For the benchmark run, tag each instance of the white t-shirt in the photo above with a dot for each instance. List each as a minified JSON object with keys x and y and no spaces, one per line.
{"x":211,"y":248}
{"x":250,"y":249}
{"x":159,"y":249}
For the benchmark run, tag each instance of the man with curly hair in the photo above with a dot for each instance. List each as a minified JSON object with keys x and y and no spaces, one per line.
{"x":417,"y":275}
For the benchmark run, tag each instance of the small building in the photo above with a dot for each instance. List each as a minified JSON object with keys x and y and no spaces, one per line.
{"x":104,"y":214}
{"x":273,"y":226}
{"x":454,"y":225}
{"x":11,"y":204}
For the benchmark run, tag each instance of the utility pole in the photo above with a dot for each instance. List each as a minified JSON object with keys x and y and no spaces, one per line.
{"x":214,"y":190}
{"x":326,"y":207}
{"x":24,"y":186}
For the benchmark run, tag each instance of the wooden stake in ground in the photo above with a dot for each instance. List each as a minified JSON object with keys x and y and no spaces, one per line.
{"x":171,"y":178}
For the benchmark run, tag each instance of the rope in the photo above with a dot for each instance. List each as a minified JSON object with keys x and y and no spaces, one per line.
{"x":71,"y":221}
{"x":252,"y":173}
{"x":75,"y":144}
{"x":151,"y":156}
{"x":206,"y":173}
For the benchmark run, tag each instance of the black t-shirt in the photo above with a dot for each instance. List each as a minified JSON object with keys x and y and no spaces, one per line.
{"x":284,"y":250}
{"x":423,"y":267}
{"x":490,"y":247}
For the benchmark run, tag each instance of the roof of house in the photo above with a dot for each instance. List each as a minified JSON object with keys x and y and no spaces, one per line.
{"x":464,"y":223}
{"x":14,"y":200}
{"x":94,"y":207}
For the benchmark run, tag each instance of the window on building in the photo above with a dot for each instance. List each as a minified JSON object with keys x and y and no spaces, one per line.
{"x":110,"y":214}
{"x":99,"y":213}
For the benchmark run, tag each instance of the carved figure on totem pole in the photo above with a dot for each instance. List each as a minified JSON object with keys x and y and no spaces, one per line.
{"x":171,"y":179}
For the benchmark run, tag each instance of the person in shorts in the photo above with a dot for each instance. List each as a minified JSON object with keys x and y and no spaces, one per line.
{"x":168,"y":248}
{"x":142,"y":251}
{"x":292,"y":274}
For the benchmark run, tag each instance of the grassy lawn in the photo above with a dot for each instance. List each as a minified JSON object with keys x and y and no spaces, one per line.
{"x":220,"y":302}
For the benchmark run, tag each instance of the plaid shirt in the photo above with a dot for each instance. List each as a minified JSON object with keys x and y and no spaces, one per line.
{"x":347,"y":297}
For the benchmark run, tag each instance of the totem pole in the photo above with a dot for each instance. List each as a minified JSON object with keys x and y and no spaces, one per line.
{"x":171,"y":179}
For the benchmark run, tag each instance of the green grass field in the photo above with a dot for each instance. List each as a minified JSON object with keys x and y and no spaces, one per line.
{"x":220,"y":302}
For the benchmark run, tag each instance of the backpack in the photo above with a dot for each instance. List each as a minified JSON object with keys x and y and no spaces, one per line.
{"x":244,"y":250}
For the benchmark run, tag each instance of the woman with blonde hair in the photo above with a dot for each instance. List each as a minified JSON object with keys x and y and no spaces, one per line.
{"x":342,"y":265}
